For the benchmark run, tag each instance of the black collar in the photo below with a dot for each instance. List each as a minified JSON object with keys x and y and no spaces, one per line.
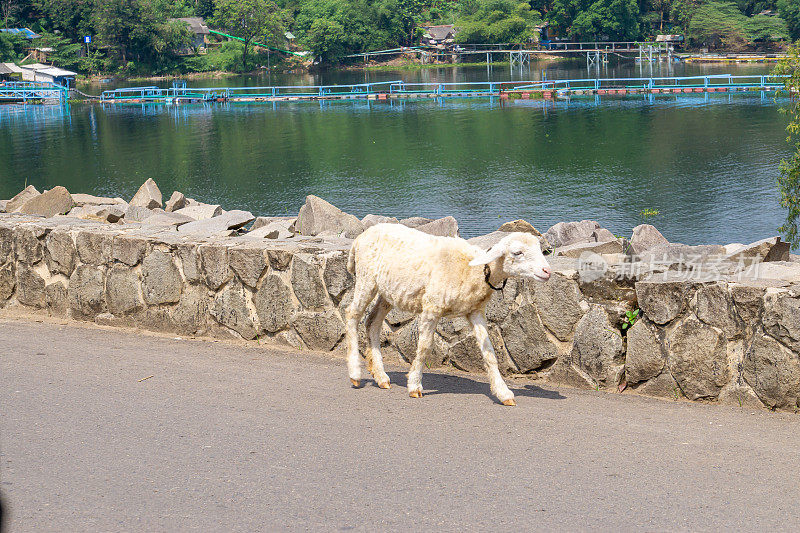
{"x":487,"y":274}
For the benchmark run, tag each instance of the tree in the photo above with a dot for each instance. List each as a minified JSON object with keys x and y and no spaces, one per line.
{"x":497,"y":21}
{"x":204,"y":8}
{"x":127,"y":25}
{"x":717,"y":23}
{"x":613,"y":19}
{"x":789,"y":179}
{"x":790,"y":12}
{"x":248,"y":20}
{"x":8,"y":8}
{"x":767,"y":29}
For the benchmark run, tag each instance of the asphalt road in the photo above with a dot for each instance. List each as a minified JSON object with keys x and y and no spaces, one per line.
{"x":225,"y":437}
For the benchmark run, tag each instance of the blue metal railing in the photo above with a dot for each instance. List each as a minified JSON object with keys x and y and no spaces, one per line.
{"x":33,"y":91}
{"x":450,"y":89}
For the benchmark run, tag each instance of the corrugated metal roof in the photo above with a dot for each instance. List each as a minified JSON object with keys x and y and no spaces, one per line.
{"x":440,"y":32}
{"x":25,"y":32}
{"x":57,"y":72}
{"x":196,"y":24}
{"x":9,"y":68}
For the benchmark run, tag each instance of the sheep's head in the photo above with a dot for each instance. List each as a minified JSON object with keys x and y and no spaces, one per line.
{"x":517,"y":254}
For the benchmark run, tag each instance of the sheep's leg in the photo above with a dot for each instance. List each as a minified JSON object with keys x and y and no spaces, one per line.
{"x":426,"y":326}
{"x":374,"y":324}
{"x":363,"y":293}
{"x":496,"y":383}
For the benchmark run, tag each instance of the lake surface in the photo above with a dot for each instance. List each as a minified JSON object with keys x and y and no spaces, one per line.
{"x":706,"y":163}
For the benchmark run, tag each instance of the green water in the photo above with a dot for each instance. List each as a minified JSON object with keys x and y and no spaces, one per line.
{"x":707,"y":163}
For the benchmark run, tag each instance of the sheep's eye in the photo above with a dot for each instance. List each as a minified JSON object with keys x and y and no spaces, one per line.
{"x":547,"y":252}
{"x":517,"y":253}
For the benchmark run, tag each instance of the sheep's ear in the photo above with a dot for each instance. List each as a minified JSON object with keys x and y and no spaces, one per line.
{"x":484,"y":258}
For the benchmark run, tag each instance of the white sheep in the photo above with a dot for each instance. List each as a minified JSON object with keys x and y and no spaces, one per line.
{"x":434,"y":277}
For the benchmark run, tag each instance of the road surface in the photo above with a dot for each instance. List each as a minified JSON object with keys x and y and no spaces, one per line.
{"x":111,"y":430}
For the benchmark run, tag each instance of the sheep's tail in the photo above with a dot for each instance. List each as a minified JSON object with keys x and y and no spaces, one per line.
{"x":351,"y":259}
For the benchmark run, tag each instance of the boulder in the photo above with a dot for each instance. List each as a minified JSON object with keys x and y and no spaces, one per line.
{"x":200,"y":211}
{"x":55,"y":295}
{"x":519,"y":226}
{"x":336,"y":276}
{"x":272,"y":230}
{"x":161,"y":281}
{"x":371,"y":220}
{"x":682,"y":255}
{"x":307,"y":283}
{"x":715,"y":307}
{"x":697,"y":359}
{"x":526,"y":339}
{"x":645,"y":237}
{"x":646,"y":356}
{"x":3,"y":204}
{"x":214,"y":265}
{"x":81,"y":200}
{"x":566,"y":233}
{"x":60,"y":253}
{"x":771,"y":249}
{"x":230,"y":220}
{"x":86,"y":291}
{"x":104,"y":213}
{"x":319,"y":330}
{"x":318,"y":216}
{"x":577,"y":249}
{"x":782,"y":318}
{"x":167,"y":219}
{"x":30,"y":287}
{"x":442,"y":227}
{"x":128,"y":249}
{"x":123,"y":295}
{"x":94,"y":247}
{"x":559,"y":303}
{"x":413,"y":222}
{"x":662,"y":300}
{"x":190,"y":262}
{"x":279,"y":259}
{"x":21,"y":198}
{"x":283,"y":222}
{"x":597,"y":347}
{"x":189,"y":316}
{"x":27,"y":246}
{"x":465,"y":354}
{"x":231,"y":310}
{"x":773,"y":372}
{"x":274,"y":304}
{"x":7,"y":281}
{"x":148,"y":195}
{"x":135,"y":213}
{"x":56,"y":201}
{"x":248,"y":263}
{"x":175,"y":202}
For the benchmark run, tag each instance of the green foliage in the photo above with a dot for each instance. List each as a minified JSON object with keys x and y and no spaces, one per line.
{"x":767,"y":29}
{"x":250,"y":20}
{"x":630,"y":319}
{"x":790,"y":12}
{"x":716,"y":23}
{"x":12,"y":47}
{"x":613,"y":19}
{"x":497,"y":21}
{"x":789,"y":179}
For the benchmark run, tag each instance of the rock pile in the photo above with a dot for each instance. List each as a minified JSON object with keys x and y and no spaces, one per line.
{"x":639,"y":313}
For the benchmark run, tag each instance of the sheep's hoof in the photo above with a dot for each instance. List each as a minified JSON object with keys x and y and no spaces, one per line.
{"x":509,"y":402}
{"x":415,"y":394}
{"x":356,"y":383}
{"x":385,"y":385}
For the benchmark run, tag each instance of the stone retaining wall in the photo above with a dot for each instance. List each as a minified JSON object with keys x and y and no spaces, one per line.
{"x":728,"y":337}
